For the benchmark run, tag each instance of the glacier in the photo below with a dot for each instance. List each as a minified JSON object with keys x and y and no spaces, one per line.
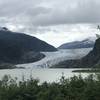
{"x":53,"y":58}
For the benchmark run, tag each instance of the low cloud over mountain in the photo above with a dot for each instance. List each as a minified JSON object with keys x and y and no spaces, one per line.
{"x":45,"y":16}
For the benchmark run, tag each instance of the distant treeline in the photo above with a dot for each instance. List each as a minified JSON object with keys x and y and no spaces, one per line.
{"x":74,"y":88}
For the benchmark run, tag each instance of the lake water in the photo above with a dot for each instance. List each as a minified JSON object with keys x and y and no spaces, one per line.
{"x":43,"y":74}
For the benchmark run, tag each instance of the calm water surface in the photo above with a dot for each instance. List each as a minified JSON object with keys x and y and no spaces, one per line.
{"x":49,"y":75}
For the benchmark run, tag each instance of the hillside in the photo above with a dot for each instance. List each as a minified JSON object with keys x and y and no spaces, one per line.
{"x":90,"y":60}
{"x":87,"y":43}
{"x":21,"y":48}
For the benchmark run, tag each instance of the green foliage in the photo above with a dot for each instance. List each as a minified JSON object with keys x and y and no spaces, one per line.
{"x":74,"y":88}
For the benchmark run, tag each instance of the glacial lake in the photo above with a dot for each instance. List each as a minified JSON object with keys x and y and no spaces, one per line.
{"x":43,"y":74}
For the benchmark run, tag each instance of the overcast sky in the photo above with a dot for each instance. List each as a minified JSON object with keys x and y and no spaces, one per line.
{"x":55,"y":21}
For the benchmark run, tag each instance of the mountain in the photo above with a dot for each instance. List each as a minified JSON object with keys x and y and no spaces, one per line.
{"x":91,"y":60}
{"x":21,"y":48}
{"x":87,"y":43}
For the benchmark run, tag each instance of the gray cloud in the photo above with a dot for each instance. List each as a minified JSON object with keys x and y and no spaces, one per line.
{"x":32,"y":14}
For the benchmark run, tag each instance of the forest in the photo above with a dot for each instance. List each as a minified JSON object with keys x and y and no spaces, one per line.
{"x":74,"y":88}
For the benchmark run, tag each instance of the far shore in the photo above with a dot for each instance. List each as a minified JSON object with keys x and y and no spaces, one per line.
{"x":92,"y":70}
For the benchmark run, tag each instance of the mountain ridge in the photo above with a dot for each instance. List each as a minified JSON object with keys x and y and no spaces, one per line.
{"x":18,"y":47}
{"x":86,"y":43}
